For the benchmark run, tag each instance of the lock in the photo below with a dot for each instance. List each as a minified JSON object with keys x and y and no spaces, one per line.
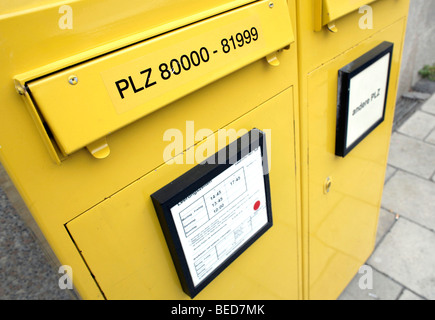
{"x":327,"y":185}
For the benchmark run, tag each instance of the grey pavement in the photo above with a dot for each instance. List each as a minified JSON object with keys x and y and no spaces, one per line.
{"x":403,"y":262}
{"x":25,"y":273}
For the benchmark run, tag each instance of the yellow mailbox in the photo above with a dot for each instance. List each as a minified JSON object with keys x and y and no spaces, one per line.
{"x":105,"y":104}
{"x":349,"y":61}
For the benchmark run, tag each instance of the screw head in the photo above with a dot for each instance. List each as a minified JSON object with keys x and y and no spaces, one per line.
{"x":271,"y":5}
{"x":73,"y":80}
{"x":21,"y":91}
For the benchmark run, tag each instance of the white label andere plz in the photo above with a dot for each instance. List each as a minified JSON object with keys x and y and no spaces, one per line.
{"x":367,"y":99}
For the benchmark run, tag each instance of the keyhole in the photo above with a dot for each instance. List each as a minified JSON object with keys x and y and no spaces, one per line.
{"x":328,"y":185}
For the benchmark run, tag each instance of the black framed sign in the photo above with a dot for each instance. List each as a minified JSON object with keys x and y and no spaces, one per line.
{"x":214,"y":212}
{"x":362,"y":97}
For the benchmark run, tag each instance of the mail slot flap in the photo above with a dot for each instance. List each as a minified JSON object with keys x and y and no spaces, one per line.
{"x":331,"y":10}
{"x":84,"y":103}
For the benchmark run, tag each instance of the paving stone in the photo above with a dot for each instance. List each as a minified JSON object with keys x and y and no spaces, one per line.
{"x":406,"y":255}
{"x":408,"y":295}
{"x":431,"y":138}
{"x":390,"y":172}
{"x":417,"y":95}
{"x":424,"y":85}
{"x":383,"y":288}
{"x":411,"y":197}
{"x":418,"y":126}
{"x":386,"y":221}
{"x":404,"y":109}
{"x":412,"y":155}
{"x":429,"y":106}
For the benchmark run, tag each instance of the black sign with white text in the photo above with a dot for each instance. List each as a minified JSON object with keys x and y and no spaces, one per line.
{"x":362,"y":97}
{"x":216,"y":211}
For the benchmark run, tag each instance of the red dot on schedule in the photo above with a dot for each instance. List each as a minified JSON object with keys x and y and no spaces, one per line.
{"x":257,"y":205}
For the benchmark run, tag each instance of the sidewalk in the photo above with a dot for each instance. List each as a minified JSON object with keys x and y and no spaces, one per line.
{"x":404,"y":261}
{"x":25,"y":273}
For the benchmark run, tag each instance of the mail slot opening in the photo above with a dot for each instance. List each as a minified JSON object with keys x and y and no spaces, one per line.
{"x":83,"y":104}
{"x":329,"y":11}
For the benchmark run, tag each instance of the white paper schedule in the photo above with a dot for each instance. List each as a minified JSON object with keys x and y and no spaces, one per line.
{"x":217,"y":219}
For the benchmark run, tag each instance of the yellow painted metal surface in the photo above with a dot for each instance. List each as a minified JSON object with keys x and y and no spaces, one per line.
{"x":341,"y":197}
{"x":123,"y":264}
{"x":96,"y":214}
{"x":328,"y":11}
{"x":117,"y":89}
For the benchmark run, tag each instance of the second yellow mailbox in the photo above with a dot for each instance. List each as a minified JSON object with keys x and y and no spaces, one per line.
{"x":349,"y":62}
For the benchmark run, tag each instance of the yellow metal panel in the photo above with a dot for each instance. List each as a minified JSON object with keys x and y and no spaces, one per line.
{"x":112,"y":91}
{"x":96,"y":25}
{"x":385,"y":12}
{"x":122,"y":242}
{"x":187,"y":7}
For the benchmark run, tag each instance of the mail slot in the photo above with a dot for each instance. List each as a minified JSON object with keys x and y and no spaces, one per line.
{"x":328,"y":11}
{"x":349,"y":66}
{"x":104,"y":94}
{"x":129,"y":101}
